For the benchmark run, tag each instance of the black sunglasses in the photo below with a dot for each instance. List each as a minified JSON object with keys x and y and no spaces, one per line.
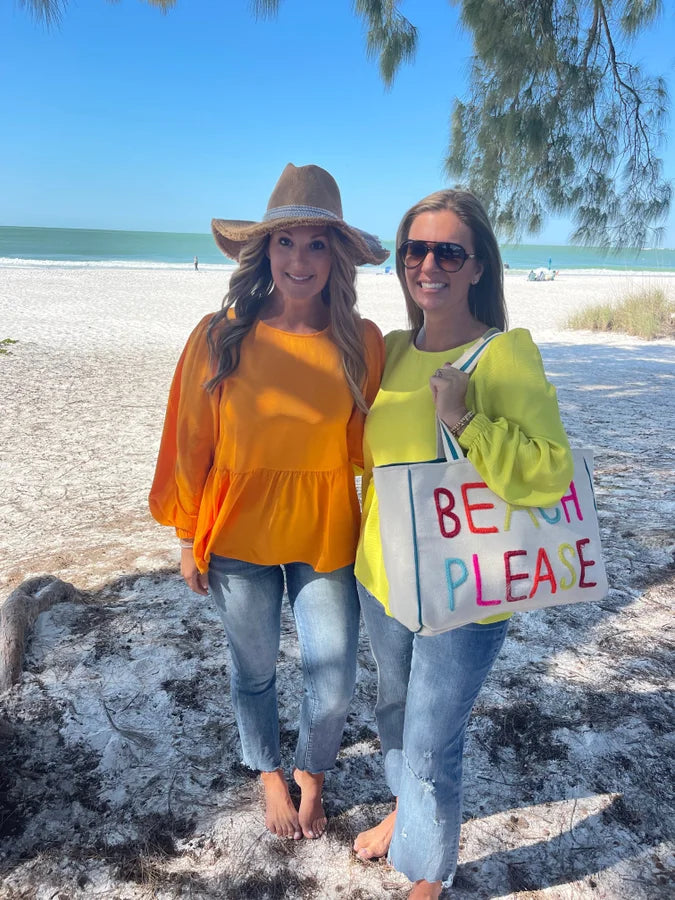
{"x":449,"y":257}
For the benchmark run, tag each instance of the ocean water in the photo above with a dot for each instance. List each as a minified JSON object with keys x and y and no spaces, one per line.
{"x":94,"y":247}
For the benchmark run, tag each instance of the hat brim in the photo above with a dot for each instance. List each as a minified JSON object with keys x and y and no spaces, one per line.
{"x":232,"y":234}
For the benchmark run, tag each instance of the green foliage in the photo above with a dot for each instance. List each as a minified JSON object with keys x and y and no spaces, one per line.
{"x":557,"y":119}
{"x":647,"y":314}
{"x":389,"y":35}
{"x":265,"y":9}
{"x":4,"y":344}
{"x":556,"y":122}
{"x":50,"y":12}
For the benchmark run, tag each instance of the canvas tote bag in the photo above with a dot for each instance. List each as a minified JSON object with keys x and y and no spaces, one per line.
{"x":454,"y":552}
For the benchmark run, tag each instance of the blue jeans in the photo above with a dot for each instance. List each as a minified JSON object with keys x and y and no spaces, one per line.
{"x":426,"y":689}
{"x":326,"y":610}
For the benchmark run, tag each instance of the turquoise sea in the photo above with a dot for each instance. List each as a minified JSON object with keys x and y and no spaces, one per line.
{"x":94,"y":247}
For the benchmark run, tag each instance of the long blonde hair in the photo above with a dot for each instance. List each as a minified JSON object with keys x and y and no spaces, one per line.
{"x":250,"y":286}
{"x":486,"y":299}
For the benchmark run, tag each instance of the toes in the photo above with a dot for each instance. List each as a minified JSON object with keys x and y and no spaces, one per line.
{"x":285,"y":830}
{"x":318,"y":827}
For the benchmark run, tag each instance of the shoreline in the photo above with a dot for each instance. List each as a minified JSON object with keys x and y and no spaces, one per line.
{"x":12,"y":263}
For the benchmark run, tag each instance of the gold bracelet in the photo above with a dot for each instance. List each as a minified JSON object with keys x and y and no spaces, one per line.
{"x":462,"y":423}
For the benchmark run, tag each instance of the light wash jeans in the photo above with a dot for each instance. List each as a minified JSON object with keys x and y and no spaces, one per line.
{"x":426,"y":689}
{"x":326,"y":610}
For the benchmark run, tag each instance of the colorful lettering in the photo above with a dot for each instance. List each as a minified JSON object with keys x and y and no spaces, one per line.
{"x":543,"y":562}
{"x":552,"y":520}
{"x":585,"y":564}
{"x":470,"y":507}
{"x":479,"y":585}
{"x":572,"y":496}
{"x":566,"y":585}
{"x":510,"y":508}
{"x":445,"y":512}
{"x":510,"y":597}
{"x":452,"y":584}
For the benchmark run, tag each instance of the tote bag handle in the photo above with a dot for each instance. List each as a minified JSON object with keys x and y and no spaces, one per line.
{"x":447,"y":445}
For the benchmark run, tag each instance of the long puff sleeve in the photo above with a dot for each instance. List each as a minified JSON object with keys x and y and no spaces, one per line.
{"x":188,"y":439}
{"x":517,"y":441}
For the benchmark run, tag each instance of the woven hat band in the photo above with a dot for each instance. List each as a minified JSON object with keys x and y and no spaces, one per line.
{"x":298,"y":212}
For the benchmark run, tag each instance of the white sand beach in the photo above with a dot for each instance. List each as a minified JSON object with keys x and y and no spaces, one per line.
{"x":121,"y":776}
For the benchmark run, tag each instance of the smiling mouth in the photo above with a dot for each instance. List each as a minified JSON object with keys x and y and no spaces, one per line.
{"x":431,"y":285}
{"x":299,"y":278}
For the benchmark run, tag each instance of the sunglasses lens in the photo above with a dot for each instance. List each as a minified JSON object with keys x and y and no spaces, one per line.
{"x":412,"y":253}
{"x":450,"y":256}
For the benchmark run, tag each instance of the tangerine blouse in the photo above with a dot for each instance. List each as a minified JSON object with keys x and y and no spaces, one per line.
{"x":262,"y":468}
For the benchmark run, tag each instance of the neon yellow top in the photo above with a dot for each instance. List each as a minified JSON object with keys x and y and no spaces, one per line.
{"x":516,"y":440}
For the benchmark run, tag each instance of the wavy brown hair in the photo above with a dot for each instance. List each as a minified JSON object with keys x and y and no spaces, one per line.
{"x":250,"y":286}
{"x":486,"y":299}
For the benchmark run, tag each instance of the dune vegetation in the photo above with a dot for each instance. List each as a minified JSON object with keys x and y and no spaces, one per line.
{"x":648,"y":313}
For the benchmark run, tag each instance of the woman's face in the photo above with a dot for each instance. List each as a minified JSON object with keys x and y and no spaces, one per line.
{"x":300,"y":259}
{"x":431,"y":287}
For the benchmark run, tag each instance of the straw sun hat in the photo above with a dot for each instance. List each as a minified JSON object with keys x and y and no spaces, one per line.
{"x":304,"y":195}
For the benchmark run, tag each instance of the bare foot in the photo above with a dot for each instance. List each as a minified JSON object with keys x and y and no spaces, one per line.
{"x":312,"y":817}
{"x":375,"y":842}
{"x":281,"y":817}
{"x":426,"y":890}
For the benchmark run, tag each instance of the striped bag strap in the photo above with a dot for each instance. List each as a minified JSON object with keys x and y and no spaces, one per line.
{"x":448,"y":446}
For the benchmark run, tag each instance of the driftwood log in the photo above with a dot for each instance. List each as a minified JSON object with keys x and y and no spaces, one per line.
{"x":18,"y":614}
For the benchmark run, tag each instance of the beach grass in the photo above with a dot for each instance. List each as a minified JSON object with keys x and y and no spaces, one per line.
{"x":4,"y":344}
{"x":648,"y":313}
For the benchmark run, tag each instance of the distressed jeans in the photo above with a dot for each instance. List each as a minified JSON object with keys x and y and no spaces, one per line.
{"x":426,"y":689}
{"x":326,"y":610}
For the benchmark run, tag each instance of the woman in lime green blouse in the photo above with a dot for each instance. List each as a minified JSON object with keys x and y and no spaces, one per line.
{"x":506,"y":418}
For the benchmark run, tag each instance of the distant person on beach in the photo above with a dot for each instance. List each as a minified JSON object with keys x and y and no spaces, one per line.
{"x":196,"y":263}
{"x":506,"y":418}
{"x":542,"y":274}
{"x":255,"y":471}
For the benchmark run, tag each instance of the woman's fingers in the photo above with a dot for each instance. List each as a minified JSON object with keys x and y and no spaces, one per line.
{"x":448,"y":387}
{"x":198,"y":582}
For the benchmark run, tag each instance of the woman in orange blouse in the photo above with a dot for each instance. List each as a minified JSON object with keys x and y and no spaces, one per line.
{"x":255,"y":471}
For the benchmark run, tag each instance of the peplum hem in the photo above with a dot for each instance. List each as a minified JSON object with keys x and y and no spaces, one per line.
{"x":271,"y":517}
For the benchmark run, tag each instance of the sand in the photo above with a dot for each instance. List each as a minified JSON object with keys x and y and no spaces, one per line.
{"x":122,"y":777}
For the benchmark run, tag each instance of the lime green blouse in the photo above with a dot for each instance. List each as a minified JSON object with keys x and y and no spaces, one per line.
{"x":516,"y":440}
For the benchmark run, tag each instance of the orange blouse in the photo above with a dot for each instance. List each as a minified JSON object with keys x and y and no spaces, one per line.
{"x":261,"y":469}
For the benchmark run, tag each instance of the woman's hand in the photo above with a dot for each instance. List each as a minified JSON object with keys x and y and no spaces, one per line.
{"x":448,"y":385}
{"x":195,"y":580}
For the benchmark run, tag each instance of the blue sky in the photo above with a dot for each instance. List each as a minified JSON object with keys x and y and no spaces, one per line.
{"x":129,"y":119}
